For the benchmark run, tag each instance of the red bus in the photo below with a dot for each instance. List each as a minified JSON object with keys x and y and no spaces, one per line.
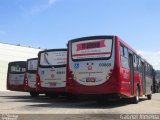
{"x":106,"y":66}
{"x":51,"y":73}
{"x":15,"y":75}
{"x":30,"y":77}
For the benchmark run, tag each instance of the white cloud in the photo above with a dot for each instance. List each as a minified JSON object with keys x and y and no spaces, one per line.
{"x":2,"y":32}
{"x":152,"y":57}
{"x":51,"y":2}
{"x":37,"y":8}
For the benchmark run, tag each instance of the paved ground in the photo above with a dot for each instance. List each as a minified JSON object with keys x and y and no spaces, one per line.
{"x":22,"y":103}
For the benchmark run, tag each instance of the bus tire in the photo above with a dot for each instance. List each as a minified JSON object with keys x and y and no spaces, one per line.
{"x":135,"y":99}
{"x":34,"y":94}
{"x":149,"y":97}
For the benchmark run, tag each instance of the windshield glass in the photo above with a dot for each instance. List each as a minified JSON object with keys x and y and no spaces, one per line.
{"x":32,"y":64}
{"x":91,"y":49}
{"x":52,"y":58}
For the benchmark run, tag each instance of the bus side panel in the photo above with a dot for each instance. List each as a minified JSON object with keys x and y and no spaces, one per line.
{"x":137,"y":82}
{"x":125,"y":88}
{"x":117,"y":63}
{"x":123,"y":74}
{"x":8,"y":78}
{"x":148,"y":84}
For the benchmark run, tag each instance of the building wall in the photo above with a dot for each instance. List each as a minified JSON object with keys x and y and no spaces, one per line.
{"x":9,"y":53}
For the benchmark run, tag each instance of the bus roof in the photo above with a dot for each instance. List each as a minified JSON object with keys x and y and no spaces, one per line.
{"x":108,"y":37}
{"x":13,"y":62}
{"x":91,"y":37}
{"x":32,"y":59}
{"x":49,"y":50}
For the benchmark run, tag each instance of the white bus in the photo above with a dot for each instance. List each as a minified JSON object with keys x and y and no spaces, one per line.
{"x":51,"y":74}
{"x":15,"y":75}
{"x":30,"y":78}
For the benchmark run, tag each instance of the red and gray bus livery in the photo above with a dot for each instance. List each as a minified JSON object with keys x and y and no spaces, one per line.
{"x":15,"y":76}
{"x":107,"y":66}
{"x":51,"y":74}
{"x":30,"y":77}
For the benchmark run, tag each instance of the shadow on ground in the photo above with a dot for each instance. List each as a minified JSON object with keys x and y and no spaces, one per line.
{"x":62,"y":102}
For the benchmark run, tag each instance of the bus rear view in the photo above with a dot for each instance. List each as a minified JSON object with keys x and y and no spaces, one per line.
{"x":15,"y":75}
{"x":51,"y":77}
{"x":91,"y":63}
{"x":30,"y":78}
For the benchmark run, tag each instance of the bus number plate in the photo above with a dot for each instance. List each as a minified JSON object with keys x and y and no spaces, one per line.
{"x":52,"y":84}
{"x":90,"y":79}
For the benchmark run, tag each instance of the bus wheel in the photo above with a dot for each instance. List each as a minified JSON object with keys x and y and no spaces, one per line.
{"x":34,"y":94}
{"x":149,"y":97}
{"x":135,"y":99}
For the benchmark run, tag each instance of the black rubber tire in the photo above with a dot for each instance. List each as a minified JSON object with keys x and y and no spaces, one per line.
{"x":34,"y":94}
{"x":149,"y":97}
{"x":135,"y":99}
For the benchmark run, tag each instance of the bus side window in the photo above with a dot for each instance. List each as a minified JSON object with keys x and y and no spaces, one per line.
{"x":150,"y":71}
{"x":139,"y":65}
{"x":125,"y":52}
{"x":146,"y":69}
{"x":135,"y":59}
{"x":124,"y":57}
{"x":121,"y":51}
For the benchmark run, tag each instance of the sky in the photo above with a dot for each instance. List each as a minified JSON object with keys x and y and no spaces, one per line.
{"x":51,"y":23}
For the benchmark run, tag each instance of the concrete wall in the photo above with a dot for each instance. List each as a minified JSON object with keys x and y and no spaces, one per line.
{"x":10,"y":53}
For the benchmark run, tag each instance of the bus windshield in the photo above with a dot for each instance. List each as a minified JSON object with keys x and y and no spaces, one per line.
{"x":91,"y":49}
{"x":53,"y":58}
{"x":32,"y":65}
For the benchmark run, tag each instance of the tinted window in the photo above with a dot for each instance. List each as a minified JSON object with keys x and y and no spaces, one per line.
{"x":125,"y":52}
{"x":124,"y":57}
{"x":121,"y":50}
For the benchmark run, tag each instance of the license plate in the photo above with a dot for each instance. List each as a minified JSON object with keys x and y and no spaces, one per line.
{"x":90,"y":79}
{"x":52,"y":84}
